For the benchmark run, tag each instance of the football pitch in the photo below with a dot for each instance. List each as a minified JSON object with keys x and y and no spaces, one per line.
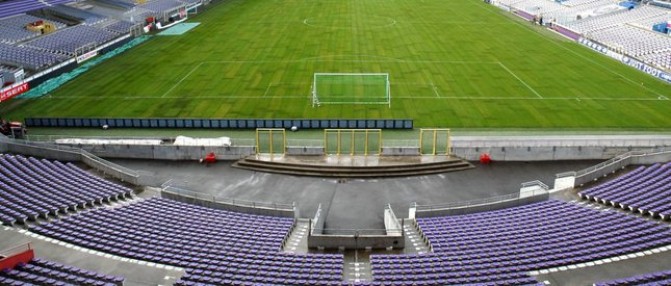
{"x":456,"y":64}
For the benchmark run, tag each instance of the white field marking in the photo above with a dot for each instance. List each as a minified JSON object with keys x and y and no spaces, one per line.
{"x":518,"y":78}
{"x":199,"y":97}
{"x":334,"y":59}
{"x":532,"y":98}
{"x":372,"y":26}
{"x":267,"y":89}
{"x":435,"y":90}
{"x":528,"y":27}
{"x":183,"y":78}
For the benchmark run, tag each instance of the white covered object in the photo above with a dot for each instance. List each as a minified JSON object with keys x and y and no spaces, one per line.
{"x":189,"y":141}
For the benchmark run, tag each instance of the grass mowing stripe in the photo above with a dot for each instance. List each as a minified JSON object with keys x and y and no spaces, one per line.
{"x":256,"y":58}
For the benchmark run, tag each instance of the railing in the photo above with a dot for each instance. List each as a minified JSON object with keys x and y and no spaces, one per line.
{"x":467,"y":204}
{"x":535,"y":183}
{"x":612,"y":161}
{"x":94,"y":161}
{"x":233,"y":202}
{"x":15,"y":249}
{"x":391,"y":222}
{"x":354,"y":232}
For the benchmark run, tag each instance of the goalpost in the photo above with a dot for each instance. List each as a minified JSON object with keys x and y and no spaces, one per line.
{"x":351,"y":88}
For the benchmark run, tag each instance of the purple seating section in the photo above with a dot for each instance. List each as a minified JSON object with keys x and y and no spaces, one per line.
{"x":214,"y":246}
{"x":13,"y":7}
{"x":646,"y":190}
{"x":498,"y":247}
{"x":657,"y":278}
{"x":30,"y":188}
{"x":13,"y":28}
{"x":44,"y":272}
{"x":67,"y":41}
{"x":120,"y":27}
{"x":161,"y":6}
{"x":28,"y":57}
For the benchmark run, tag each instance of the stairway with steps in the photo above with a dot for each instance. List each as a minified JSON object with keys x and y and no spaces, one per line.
{"x":310,"y":167}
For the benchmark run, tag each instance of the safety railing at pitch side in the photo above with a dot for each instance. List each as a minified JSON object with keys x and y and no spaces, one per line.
{"x":166,"y":188}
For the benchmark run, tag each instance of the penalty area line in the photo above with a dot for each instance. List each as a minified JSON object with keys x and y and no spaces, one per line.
{"x":519,"y":79}
{"x":182,"y":79}
{"x":435,"y":90}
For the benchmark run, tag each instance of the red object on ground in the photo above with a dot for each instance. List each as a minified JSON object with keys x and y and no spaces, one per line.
{"x":485,"y":159}
{"x":210,"y":158}
{"x":18,"y":257}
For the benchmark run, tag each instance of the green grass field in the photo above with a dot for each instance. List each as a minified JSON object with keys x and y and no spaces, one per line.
{"x":458,"y":64}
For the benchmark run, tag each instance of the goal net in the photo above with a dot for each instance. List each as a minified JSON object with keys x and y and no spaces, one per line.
{"x":351,"y":88}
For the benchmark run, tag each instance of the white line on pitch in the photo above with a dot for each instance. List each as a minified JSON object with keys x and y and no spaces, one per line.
{"x":183,"y":78}
{"x":518,"y":78}
{"x":198,"y":97}
{"x":533,"y":98}
{"x":435,"y":90}
{"x":267,"y":89}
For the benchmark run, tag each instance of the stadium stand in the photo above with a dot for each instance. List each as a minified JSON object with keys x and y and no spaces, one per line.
{"x":214,"y":246}
{"x":12,"y":29}
{"x":633,"y":41}
{"x":28,"y":57}
{"x":9,"y":8}
{"x":44,"y":272}
{"x":67,"y":12}
{"x":646,"y":190}
{"x":30,"y":188}
{"x":615,"y":19}
{"x":67,"y":41}
{"x":119,"y":27}
{"x":161,"y":6}
{"x":657,"y":278}
{"x":499,"y":247}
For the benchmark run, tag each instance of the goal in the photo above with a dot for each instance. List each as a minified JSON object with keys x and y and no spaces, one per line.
{"x":351,"y":88}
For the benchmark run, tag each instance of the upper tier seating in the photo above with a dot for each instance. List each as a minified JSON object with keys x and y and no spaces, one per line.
{"x":67,"y":41}
{"x":13,"y":29}
{"x":30,"y":188}
{"x":615,"y":19}
{"x":499,"y":247}
{"x":633,"y":41}
{"x":214,"y":246}
{"x":14,"y":7}
{"x":44,"y":272}
{"x":27,"y":57}
{"x":645,"y":189}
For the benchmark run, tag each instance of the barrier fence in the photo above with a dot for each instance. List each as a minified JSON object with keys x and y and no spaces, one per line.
{"x":220,"y":123}
{"x":181,"y":194}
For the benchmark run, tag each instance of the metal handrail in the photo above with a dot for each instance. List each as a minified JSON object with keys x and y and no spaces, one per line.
{"x":219,"y":200}
{"x":465,"y":204}
{"x":360,"y":232}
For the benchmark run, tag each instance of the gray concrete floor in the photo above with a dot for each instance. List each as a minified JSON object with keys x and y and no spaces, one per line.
{"x":355,"y":204}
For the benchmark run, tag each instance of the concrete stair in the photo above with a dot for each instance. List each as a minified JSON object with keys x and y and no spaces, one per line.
{"x":343,"y":171}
